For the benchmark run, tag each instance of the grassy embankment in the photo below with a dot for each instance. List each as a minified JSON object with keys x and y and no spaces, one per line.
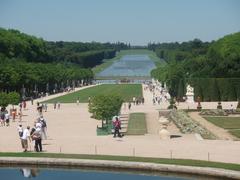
{"x":137,"y":124}
{"x":232,"y":124}
{"x":184,"y":162}
{"x":127,"y":91}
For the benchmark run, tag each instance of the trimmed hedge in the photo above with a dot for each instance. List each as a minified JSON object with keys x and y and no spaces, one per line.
{"x":213,"y":89}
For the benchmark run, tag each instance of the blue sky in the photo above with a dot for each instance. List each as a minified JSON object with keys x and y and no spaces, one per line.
{"x":134,"y":21}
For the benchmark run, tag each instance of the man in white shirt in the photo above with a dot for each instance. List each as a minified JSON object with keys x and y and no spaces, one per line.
{"x":24,"y":139}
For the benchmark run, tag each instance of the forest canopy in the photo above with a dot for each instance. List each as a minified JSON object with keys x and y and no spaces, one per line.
{"x":33,"y":65}
{"x":189,"y":61}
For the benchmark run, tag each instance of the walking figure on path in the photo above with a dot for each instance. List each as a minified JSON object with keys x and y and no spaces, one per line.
{"x":117,"y":127}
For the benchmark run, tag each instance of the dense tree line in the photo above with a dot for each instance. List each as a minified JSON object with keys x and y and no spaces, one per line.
{"x":30,"y":65}
{"x":33,"y":78}
{"x":190,"y":61}
{"x":15,"y":44}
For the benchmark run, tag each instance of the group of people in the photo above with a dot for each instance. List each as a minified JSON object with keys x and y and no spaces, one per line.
{"x":36,"y":134}
{"x":138,"y":100}
{"x":160,"y":93}
{"x":4,"y":117}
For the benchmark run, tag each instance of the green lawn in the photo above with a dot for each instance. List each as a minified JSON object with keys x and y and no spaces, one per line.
{"x":127,"y":91}
{"x":184,"y":162}
{"x":230,"y":123}
{"x":225,"y":122}
{"x":137,"y":124}
{"x":235,"y":132}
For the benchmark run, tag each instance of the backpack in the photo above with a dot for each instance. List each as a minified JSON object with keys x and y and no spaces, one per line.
{"x":43,"y":122}
{"x":2,"y":116}
{"x":20,"y":133}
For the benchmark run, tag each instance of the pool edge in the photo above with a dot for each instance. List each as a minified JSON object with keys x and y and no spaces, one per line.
{"x":150,"y":167}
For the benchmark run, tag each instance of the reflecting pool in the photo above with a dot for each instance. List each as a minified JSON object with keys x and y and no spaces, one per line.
{"x":76,"y":174}
{"x":130,"y":65}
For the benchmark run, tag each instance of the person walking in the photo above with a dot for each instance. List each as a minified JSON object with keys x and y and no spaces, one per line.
{"x":24,"y":139}
{"x":58,"y":105}
{"x":117,"y":127}
{"x":7,"y":118}
{"x":129,"y":105}
{"x":20,"y":130}
{"x":32,"y":100}
{"x":37,"y":136}
{"x":43,"y":127}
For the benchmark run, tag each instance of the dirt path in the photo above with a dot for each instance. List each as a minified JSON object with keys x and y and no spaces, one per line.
{"x":217,"y":131}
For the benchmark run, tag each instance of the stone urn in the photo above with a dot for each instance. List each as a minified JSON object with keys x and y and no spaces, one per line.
{"x":163,"y":132}
{"x":163,"y":121}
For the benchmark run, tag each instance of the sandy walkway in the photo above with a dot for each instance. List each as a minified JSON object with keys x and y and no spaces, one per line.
{"x":72,"y":130}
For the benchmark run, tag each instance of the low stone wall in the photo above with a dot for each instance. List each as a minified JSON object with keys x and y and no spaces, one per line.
{"x":120,"y":165}
{"x":187,"y":125}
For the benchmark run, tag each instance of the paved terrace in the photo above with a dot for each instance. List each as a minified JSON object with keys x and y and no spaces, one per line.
{"x":72,"y":130}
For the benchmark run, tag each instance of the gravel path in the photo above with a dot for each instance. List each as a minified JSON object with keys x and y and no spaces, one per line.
{"x":72,"y":130}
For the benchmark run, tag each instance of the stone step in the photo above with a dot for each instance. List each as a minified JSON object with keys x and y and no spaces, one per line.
{"x":124,"y":125}
{"x":121,"y":130}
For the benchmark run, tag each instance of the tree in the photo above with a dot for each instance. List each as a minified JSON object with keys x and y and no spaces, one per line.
{"x":13,"y":98}
{"x":104,"y":107}
{"x":4,"y":99}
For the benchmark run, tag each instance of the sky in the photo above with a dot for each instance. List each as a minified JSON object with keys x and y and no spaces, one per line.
{"x":131,"y":21}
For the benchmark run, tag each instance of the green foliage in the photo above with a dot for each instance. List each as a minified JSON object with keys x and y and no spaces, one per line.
{"x":42,"y":66}
{"x":215,"y":89}
{"x":14,"y":74}
{"x":202,"y":62}
{"x":9,"y":98}
{"x":14,"y":98}
{"x":4,"y":99}
{"x":104,"y":107}
{"x":181,"y":89}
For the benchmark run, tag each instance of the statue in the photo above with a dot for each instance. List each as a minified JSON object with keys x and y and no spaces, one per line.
{"x":189,"y":90}
{"x":190,"y":94}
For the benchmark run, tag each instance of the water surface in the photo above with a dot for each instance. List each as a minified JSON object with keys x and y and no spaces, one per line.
{"x":68,"y":174}
{"x":130,"y":65}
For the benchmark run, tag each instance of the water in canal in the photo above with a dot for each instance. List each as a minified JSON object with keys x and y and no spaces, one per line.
{"x":129,"y":66}
{"x":76,"y":174}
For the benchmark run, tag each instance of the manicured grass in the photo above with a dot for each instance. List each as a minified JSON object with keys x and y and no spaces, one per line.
{"x":225,"y":122}
{"x":137,"y":124}
{"x":127,"y":91}
{"x":184,"y":162}
{"x":235,"y":132}
{"x":230,"y":123}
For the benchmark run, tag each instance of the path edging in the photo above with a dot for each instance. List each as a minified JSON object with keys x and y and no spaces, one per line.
{"x":62,"y":162}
